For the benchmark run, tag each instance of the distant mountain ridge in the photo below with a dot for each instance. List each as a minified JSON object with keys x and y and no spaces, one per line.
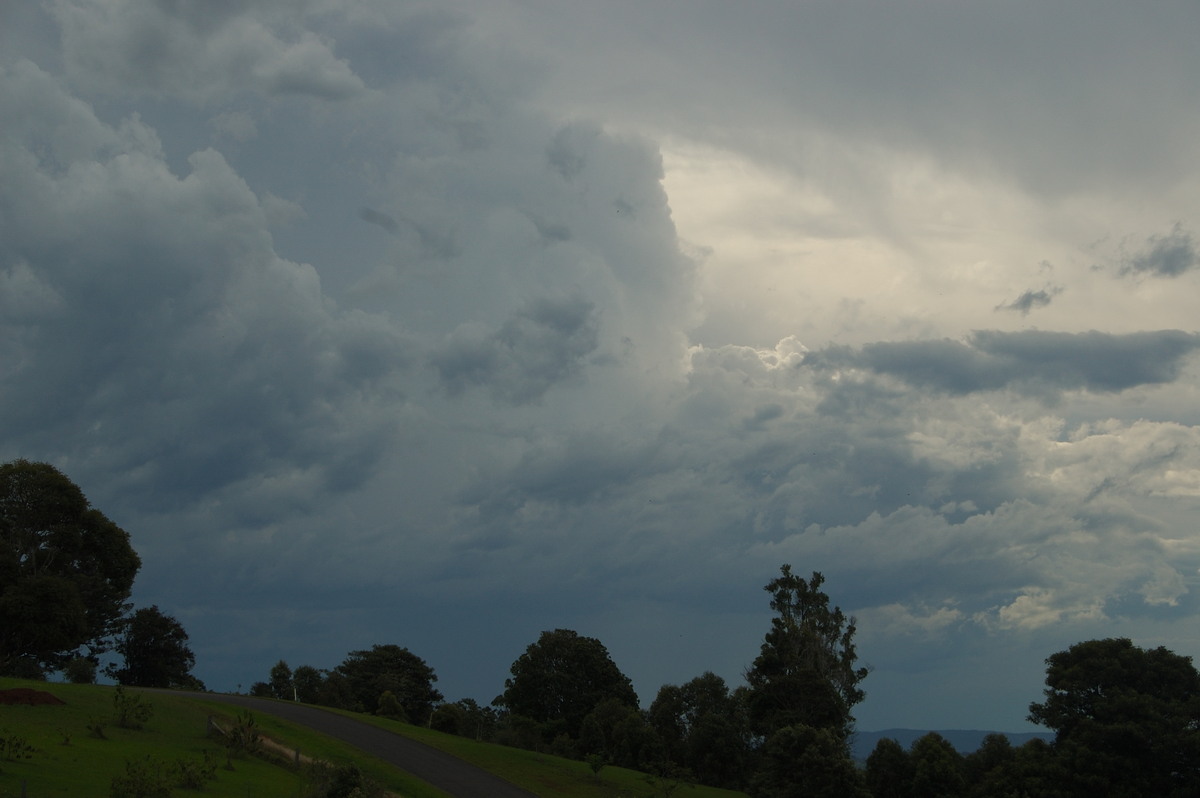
{"x":965,"y":741}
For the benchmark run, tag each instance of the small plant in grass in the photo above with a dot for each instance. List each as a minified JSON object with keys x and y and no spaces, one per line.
{"x":194,"y":775}
{"x":96,"y":729}
{"x":597,"y":763}
{"x":243,"y":738}
{"x":14,"y":747}
{"x":144,"y":778}
{"x":667,"y":779}
{"x":131,"y":710}
{"x":66,"y":737}
{"x":342,"y":781}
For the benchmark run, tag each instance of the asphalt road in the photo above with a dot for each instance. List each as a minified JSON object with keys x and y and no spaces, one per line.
{"x":446,"y":772}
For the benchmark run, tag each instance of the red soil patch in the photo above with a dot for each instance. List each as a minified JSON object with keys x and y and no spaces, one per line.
{"x":25,"y":695}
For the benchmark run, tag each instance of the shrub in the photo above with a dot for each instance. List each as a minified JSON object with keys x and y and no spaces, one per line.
{"x":193,"y":775}
{"x":343,"y":781}
{"x":145,"y":778}
{"x":243,"y":738}
{"x":96,"y":729}
{"x":132,"y":710}
{"x":80,"y":670}
{"x":389,"y":707}
{"x":14,"y":747}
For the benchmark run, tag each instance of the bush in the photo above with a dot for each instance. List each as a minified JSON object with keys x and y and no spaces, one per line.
{"x":389,"y":707}
{"x":344,"y":781}
{"x":146,"y":778}
{"x":80,"y":670}
{"x":193,"y":775}
{"x":14,"y":747}
{"x":95,"y":727}
{"x":24,"y":668}
{"x":132,"y":710}
{"x":244,"y":738}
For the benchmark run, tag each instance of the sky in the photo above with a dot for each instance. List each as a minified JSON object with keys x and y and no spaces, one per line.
{"x":445,"y":323}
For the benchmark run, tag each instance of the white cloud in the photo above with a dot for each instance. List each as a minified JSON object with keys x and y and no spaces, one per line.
{"x":1038,"y":608}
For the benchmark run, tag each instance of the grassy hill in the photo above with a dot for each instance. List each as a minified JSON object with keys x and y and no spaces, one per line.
{"x":65,"y":757}
{"x":68,"y":758}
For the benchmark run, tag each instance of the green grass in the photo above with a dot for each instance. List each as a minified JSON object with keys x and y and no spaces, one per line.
{"x":542,"y":774}
{"x":69,"y":760}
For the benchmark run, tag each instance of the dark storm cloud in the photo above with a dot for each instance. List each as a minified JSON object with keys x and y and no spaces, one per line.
{"x":1031,"y":299}
{"x":168,"y":313}
{"x":317,"y":432}
{"x":539,"y":346}
{"x":1169,"y":255}
{"x":1030,"y":362}
{"x":199,"y":52}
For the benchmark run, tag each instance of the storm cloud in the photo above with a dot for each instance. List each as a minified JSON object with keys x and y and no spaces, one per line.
{"x":422,"y":323}
{"x":1029,"y":362}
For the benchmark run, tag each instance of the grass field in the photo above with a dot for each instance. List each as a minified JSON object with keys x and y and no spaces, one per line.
{"x":68,"y":760}
{"x":545,"y":775}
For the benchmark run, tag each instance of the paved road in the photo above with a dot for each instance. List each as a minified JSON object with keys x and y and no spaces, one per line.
{"x":446,"y":772}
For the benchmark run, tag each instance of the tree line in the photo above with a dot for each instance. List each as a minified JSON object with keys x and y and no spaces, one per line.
{"x":1126,"y":719}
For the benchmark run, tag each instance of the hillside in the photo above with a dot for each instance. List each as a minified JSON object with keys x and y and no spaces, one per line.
{"x":76,"y":747}
{"x":67,"y":759}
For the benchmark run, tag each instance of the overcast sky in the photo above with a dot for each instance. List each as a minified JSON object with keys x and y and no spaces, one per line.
{"x":443,"y":324}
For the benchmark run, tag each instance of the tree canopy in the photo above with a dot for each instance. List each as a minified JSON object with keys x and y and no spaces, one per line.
{"x":1126,"y":719}
{"x":702,"y":726}
{"x":155,"y":650}
{"x":368,"y":674}
{"x":66,"y":571}
{"x":561,"y":678}
{"x":805,"y":672}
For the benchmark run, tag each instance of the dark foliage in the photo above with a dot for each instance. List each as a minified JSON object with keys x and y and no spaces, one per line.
{"x":1127,"y":720}
{"x":704,"y":727}
{"x":889,"y":771}
{"x":364,"y":676}
{"x":154,"y":648}
{"x":805,"y":673}
{"x":66,"y":570}
{"x":561,"y":679}
{"x":804,"y":762}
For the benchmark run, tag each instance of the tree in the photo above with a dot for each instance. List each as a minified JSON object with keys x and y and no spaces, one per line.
{"x":703,"y":727}
{"x":307,"y":681}
{"x":282,"y":684}
{"x":466,"y":719}
{"x":66,"y":571}
{"x":369,"y":674}
{"x":803,"y":762}
{"x":619,"y":735}
{"x":1126,"y":720}
{"x":805,"y":673}
{"x":937,"y":768}
{"x":154,"y":648}
{"x":560,"y":679}
{"x":889,"y":772}
{"x":81,"y":670}
{"x":992,"y":768}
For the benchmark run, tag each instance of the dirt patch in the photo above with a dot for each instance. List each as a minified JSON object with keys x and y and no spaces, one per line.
{"x":26,"y":695}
